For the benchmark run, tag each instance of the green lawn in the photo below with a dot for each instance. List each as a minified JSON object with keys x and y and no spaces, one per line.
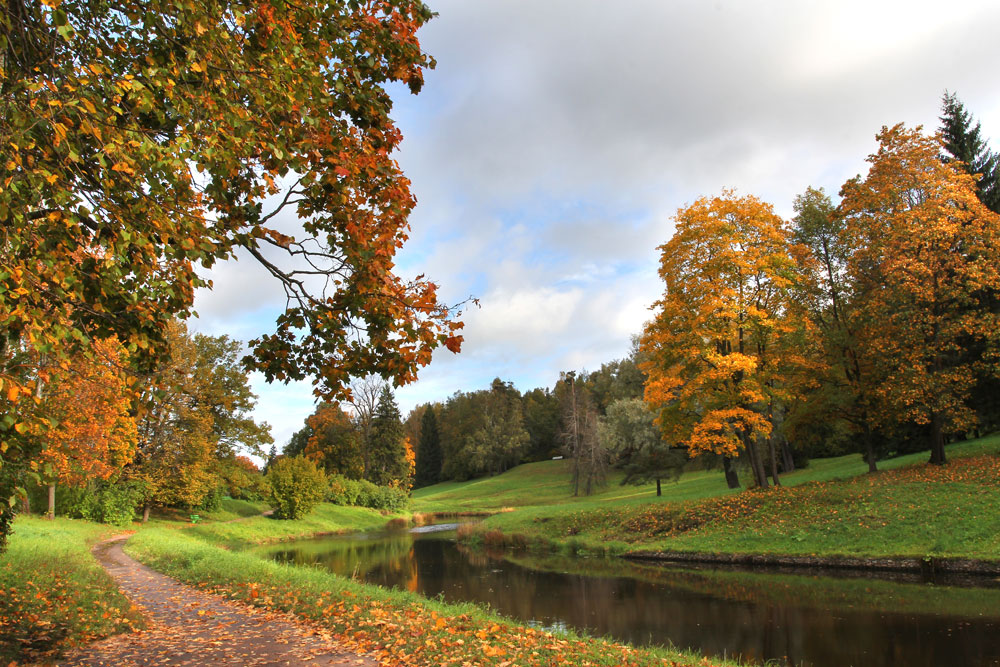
{"x":831,"y":507}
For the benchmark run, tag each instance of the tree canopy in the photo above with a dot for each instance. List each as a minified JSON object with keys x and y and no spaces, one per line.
{"x":145,"y":141}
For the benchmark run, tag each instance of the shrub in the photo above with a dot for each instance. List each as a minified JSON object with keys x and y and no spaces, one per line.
{"x":362,"y":493}
{"x":295,"y":486}
{"x":108,"y":503}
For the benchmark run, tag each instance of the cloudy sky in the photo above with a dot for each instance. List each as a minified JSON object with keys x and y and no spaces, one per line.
{"x":555,"y":140}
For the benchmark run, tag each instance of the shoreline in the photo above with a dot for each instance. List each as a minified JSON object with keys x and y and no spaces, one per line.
{"x":926,"y":566}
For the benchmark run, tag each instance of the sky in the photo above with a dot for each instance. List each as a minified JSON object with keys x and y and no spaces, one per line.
{"x":555,"y":140}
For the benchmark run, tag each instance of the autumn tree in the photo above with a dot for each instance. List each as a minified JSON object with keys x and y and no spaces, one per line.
{"x":711,"y":348}
{"x":386,"y":451}
{"x":334,"y":443}
{"x":90,"y":400}
{"x":224,"y":390}
{"x":629,"y":433}
{"x":162,"y":136}
{"x":177,"y":442}
{"x":963,"y":142}
{"x":923,"y":252}
{"x":428,"y":463}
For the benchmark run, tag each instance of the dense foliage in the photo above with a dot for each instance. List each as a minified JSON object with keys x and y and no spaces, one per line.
{"x":295,"y":486}
{"x":145,"y":141}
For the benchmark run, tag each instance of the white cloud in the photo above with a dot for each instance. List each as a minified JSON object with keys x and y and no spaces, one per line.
{"x":556,"y":139}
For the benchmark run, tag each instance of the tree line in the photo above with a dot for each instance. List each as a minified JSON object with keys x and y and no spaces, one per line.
{"x":870,"y":326}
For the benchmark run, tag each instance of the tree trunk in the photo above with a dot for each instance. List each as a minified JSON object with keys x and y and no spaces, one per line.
{"x":787,"y":460}
{"x":774,"y":460}
{"x":756,"y":465}
{"x":732,"y":478}
{"x":145,"y":513}
{"x":937,"y":441}
{"x":870,"y":450}
{"x":52,"y":501}
{"x":659,"y":491}
{"x":25,"y":504}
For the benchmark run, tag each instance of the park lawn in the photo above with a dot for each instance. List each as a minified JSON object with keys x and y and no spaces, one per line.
{"x":53,"y":593}
{"x":830,"y":508}
{"x":399,"y":627}
{"x":325,"y":519}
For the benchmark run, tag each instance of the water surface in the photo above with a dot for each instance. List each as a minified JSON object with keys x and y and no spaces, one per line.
{"x":811,"y":620}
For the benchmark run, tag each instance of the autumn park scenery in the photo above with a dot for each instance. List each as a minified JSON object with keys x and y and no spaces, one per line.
{"x":688,"y":355}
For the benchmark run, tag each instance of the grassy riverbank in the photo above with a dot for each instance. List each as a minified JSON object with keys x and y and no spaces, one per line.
{"x":53,"y":594}
{"x":399,"y":627}
{"x":831,"y":508}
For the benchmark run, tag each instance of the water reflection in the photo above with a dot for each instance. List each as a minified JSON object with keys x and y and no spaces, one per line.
{"x":815,"y":621}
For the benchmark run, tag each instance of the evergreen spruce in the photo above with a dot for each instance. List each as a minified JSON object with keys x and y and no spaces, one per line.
{"x":962,"y":140}
{"x":429,"y":457}
{"x":386,"y":451}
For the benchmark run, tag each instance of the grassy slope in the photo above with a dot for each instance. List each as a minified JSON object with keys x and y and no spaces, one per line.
{"x":835,"y":509}
{"x":53,"y":594}
{"x":325,"y":519}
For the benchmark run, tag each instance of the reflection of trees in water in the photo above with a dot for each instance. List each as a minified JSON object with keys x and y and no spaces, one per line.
{"x":757,"y":616}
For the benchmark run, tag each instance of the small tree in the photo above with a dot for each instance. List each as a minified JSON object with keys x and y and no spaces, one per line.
{"x":589,"y":458}
{"x":629,"y":434}
{"x":295,"y":485}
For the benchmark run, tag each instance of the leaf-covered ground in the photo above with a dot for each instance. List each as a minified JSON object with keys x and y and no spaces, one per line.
{"x":190,"y":627}
{"x":53,"y":594}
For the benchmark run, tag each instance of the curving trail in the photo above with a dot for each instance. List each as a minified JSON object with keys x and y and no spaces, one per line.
{"x":191,"y":627}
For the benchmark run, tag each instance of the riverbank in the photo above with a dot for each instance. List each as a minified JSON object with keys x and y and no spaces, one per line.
{"x":398,"y":627}
{"x":906,"y":516}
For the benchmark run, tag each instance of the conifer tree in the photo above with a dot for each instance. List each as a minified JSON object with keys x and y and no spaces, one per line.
{"x":386,"y":451}
{"x":429,"y":451}
{"x":963,"y":141}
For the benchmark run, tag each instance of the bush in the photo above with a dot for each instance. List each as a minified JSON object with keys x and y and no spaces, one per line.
{"x":110,"y":503}
{"x":212,"y":500}
{"x":295,"y":486}
{"x":362,"y":493}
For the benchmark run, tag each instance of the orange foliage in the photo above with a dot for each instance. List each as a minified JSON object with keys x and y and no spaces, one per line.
{"x":924,"y":263}
{"x":712,"y":348}
{"x":90,"y":399}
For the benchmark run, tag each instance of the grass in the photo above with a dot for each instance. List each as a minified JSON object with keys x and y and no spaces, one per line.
{"x":830,"y":508}
{"x":398,"y":626}
{"x":53,"y":593}
{"x":326,"y":519}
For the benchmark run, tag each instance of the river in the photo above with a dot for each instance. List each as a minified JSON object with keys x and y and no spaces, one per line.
{"x":805,"y":620}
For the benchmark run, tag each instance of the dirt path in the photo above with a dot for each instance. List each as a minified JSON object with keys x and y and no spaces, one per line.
{"x":190,"y":627}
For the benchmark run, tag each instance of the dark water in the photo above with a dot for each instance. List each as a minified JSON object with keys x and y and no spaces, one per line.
{"x":791,"y":619}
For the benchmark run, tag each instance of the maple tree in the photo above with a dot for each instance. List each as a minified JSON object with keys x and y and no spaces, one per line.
{"x":91,"y":402}
{"x":922,"y":259}
{"x":164,"y":136}
{"x":711,"y":349}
